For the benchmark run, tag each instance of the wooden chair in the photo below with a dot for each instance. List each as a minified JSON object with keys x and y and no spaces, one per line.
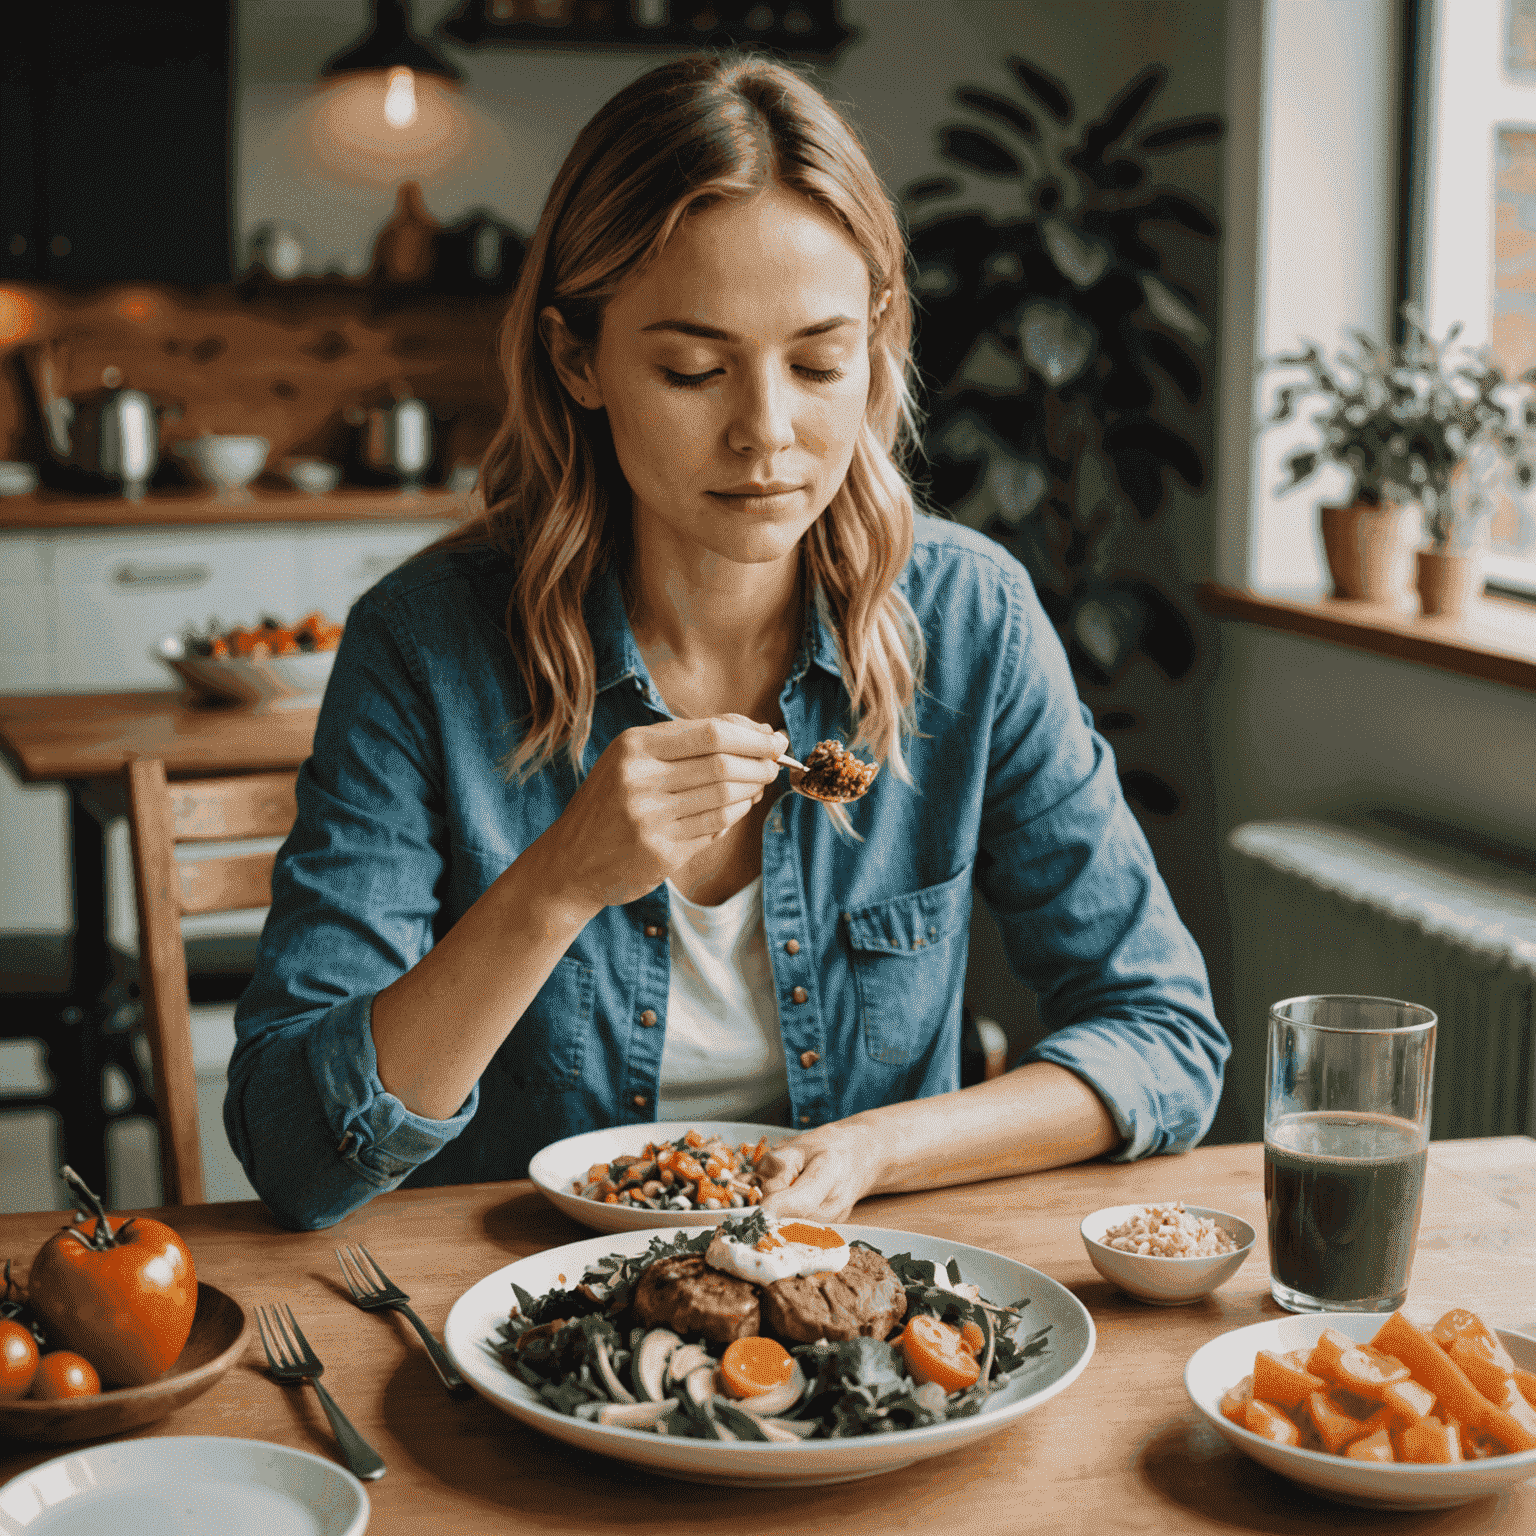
{"x":161,"y":815}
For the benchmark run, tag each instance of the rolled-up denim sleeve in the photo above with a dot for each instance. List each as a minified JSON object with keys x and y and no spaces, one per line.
{"x":354,"y":899}
{"x":1085,"y":917}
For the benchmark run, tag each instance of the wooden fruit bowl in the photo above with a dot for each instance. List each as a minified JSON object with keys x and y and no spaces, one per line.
{"x":218,"y":1339}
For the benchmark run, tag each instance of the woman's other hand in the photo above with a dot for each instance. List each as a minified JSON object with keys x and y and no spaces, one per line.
{"x":658,"y":795}
{"x":820,"y":1175}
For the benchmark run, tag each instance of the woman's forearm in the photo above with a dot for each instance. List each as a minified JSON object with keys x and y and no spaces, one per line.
{"x":437,"y":1027}
{"x":1036,"y":1116}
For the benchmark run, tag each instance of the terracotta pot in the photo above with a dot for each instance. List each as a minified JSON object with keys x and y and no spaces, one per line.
{"x":1448,"y":583}
{"x":1364,"y":546}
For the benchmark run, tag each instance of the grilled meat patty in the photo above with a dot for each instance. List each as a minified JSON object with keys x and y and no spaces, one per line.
{"x":685,"y":1296}
{"x":863,"y":1297}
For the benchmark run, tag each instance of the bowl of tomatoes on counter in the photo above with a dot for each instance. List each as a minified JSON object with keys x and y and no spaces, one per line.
{"x":113,"y":1330}
{"x":269,"y":665}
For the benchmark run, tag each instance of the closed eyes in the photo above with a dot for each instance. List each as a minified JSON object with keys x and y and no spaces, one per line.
{"x":697,"y":380}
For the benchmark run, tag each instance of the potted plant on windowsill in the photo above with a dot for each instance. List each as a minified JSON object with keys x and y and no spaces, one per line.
{"x":1419,"y":424}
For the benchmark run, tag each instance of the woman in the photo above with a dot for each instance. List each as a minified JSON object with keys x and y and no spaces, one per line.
{"x":543,"y":878}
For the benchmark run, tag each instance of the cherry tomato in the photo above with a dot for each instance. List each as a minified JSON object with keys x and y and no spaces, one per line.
{"x":61,"y":1374}
{"x":18,"y":1359}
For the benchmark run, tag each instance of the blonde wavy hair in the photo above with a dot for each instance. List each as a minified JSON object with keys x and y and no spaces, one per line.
{"x":683,"y":136}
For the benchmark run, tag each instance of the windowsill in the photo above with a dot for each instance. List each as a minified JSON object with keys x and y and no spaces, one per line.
{"x":1496,"y":641}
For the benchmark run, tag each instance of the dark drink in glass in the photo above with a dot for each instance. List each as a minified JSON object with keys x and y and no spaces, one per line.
{"x":1343,"y":1192}
{"x":1346,"y":1139}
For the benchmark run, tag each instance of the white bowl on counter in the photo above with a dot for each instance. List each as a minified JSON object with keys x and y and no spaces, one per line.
{"x":262,"y":683}
{"x":17,"y":478}
{"x":228,"y":463}
{"x":315,"y":476}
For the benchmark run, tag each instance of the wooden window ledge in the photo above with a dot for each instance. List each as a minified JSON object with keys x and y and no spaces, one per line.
{"x":1495,"y":641}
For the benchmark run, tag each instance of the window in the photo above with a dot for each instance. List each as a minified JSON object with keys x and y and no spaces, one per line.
{"x":1473,"y":230}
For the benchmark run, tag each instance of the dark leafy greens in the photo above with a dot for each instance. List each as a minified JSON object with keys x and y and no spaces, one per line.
{"x":558,"y":1344}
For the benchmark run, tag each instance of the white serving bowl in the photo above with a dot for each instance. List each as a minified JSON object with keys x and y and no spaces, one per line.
{"x":228,"y":463}
{"x":263,"y":683}
{"x":556,"y":1167}
{"x":1221,"y":1364}
{"x":476,"y":1315}
{"x":1165,"y":1282}
{"x":316,"y":476}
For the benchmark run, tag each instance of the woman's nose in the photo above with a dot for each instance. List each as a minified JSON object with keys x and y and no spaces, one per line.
{"x":762,"y":420}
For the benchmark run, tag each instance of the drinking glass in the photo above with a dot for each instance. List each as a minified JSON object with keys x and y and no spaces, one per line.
{"x":1346,"y":1137}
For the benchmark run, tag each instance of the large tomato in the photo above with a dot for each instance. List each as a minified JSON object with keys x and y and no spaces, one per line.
{"x":120,"y":1290}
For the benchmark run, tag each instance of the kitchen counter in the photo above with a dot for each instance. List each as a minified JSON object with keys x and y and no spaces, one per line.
{"x":48,"y":510}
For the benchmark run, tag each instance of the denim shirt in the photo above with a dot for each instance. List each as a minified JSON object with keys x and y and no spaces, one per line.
{"x":406,"y":817}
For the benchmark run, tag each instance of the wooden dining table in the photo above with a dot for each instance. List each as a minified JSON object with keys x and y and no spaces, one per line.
{"x":1122,"y":1450}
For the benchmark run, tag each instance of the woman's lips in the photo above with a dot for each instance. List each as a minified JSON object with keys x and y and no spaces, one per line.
{"x":771,"y":492}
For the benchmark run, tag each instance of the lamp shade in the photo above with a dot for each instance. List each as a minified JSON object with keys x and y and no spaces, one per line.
{"x":389,"y":44}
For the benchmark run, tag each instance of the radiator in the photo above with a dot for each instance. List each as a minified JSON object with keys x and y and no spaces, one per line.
{"x":1367,"y":906}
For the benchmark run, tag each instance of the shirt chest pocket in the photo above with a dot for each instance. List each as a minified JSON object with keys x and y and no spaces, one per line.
{"x":909,"y":963}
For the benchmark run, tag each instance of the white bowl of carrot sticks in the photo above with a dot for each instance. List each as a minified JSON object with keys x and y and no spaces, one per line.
{"x":1379,"y":1387}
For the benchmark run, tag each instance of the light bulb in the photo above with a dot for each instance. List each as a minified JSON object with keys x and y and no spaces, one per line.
{"x":400,"y":99}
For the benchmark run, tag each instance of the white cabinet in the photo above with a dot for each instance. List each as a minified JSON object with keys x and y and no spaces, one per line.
{"x":118,"y":592}
{"x":336,"y":566}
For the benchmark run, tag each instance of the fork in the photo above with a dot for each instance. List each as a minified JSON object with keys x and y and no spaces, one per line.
{"x":291,"y":1359}
{"x":376,"y":1290}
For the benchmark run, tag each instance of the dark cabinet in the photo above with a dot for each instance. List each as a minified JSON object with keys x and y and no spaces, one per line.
{"x":115,"y":141}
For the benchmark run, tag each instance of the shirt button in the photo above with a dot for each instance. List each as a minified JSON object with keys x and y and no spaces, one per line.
{"x":648,"y":1018}
{"x":799,"y":995}
{"x":792,"y":946}
{"x":808,"y":1059}
{"x":652,"y":931}
{"x":641,"y":1101}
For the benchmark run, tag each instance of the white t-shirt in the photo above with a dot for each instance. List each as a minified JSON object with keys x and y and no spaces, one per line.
{"x":723,"y":1057}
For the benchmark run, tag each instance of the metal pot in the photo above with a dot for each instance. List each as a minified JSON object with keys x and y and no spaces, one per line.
{"x":112,"y":435}
{"x":397,"y":439}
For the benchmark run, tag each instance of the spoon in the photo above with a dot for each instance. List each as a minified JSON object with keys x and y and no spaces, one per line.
{"x":834,"y":776}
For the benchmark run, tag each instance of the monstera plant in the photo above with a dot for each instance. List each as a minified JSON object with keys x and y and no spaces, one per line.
{"x":1063,"y":362}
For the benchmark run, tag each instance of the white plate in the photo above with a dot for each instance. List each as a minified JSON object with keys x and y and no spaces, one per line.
{"x":185,"y":1485}
{"x":1224,"y":1362}
{"x":484,"y":1307}
{"x":559,"y":1165}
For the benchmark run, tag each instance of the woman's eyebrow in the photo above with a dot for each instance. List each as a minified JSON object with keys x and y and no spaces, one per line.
{"x":712,"y":333}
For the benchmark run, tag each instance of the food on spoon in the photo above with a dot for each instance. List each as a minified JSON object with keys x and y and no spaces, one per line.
{"x":630,"y":1344}
{"x":832,"y":772}
{"x":63,"y":1374}
{"x":121,"y":1291}
{"x":1451,"y":1393}
{"x":18,"y":1359}
{"x":694,"y":1174}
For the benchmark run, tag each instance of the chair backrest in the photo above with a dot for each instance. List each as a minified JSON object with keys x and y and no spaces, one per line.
{"x":161,"y":815}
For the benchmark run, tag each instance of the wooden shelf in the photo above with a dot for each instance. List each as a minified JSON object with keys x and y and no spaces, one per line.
{"x":1496,"y":641}
{"x":46,"y":510}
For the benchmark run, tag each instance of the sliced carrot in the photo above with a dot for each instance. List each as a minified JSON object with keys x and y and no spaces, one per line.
{"x":1409,"y":1399}
{"x":694,"y":1139}
{"x":1271,"y":1422}
{"x":1526,"y":1381}
{"x":972,"y":1337}
{"x":1334,"y":1427}
{"x":1514,"y":1404}
{"x":1376,"y":1446}
{"x":1482,"y":1371}
{"x":1458,"y":1397}
{"x":1235,"y":1400}
{"x":1276,"y":1380}
{"x":1430,"y":1440}
{"x":1460,"y":1326}
{"x":754,"y":1365}
{"x":934,"y":1352}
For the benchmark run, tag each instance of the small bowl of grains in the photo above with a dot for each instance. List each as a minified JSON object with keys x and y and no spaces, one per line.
{"x":1169,"y":1254}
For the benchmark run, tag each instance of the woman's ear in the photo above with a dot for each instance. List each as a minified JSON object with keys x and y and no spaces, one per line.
{"x":572,"y":358}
